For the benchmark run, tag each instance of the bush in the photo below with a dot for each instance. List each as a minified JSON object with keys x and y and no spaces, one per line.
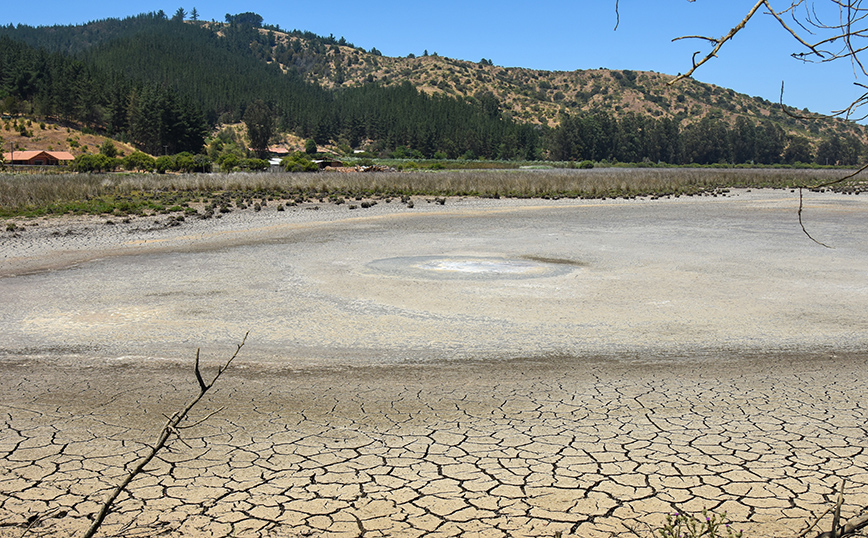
{"x":184,"y":162}
{"x":164,"y":164}
{"x":94,"y":163}
{"x":298,"y":162}
{"x":108,"y":149}
{"x":202,"y":163}
{"x":255,"y":165}
{"x":139,"y":161}
{"x":684,"y":526}
{"x":228,"y":162}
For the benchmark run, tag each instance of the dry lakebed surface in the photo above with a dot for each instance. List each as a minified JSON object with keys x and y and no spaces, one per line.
{"x":500,"y":368}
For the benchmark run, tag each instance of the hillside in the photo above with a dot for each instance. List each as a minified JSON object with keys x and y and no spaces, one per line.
{"x":51,"y":136}
{"x":338,"y":94}
{"x":535,"y":96}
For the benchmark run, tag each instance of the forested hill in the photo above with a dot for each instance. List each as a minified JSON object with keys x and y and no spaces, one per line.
{"x":196,"y":75}
{"x":220,"y":70}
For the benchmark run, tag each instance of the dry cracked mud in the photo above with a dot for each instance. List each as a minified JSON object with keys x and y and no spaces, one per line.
{"x":485,"y":368}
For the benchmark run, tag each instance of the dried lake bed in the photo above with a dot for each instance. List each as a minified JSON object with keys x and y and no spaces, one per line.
{"x":485,"y":368}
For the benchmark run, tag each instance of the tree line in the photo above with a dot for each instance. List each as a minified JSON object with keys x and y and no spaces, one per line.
{"x":635,"y":138}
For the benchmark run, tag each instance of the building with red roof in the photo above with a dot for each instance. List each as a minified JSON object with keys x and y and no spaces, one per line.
{"x":38,"y":157}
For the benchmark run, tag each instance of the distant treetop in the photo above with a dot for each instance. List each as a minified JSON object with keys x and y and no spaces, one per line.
{"x":248,"y":18}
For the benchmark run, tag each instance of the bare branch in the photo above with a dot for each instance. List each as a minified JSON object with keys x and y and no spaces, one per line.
{"x":814,"y":524}
{"x":169,"y":428}
{"x":798,"y":38}
{"x":837,"y":516}
{"x":199,"y":374}
{"x":784,"y":108}
{"x":802,"y":224}
{"x":617,"y":15}
{"x":719,"y":43}
{"x":820,"y":186}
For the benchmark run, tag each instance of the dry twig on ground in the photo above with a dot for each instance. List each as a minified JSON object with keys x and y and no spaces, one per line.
{"x":171,"y":427}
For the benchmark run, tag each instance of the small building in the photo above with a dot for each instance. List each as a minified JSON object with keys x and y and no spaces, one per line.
{"x":328,"y":163}
{"x":278,"y":151}
{"x":38,"y":157}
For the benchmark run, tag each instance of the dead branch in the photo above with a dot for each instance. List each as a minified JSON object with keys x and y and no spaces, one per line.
{"x":719,"y":42}
{"x":814,"y":524}
{"x":822,"y":42}
{"x":821,"y":186}
{"x":171,"y":427}
{"x":836,"y":518}
{"x":784,"y":108}
{"x":617,"y":15}
{"x":849,"y":527}
{"x":838,"y":530}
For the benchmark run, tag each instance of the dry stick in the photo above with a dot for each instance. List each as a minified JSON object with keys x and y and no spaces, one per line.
{"x":169,"y":428}
{"x":719,"y":42}
{"x":848,"y":527}
{"x":820,"y":186}
{"x":812,"y":525}
{"x":36,"y":520}
{"x":836,"y":518}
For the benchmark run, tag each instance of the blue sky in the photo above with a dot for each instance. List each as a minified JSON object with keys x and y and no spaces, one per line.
{"x":547,"y":34}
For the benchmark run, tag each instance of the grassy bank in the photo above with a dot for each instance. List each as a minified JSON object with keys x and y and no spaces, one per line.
{"x":32,"y":195}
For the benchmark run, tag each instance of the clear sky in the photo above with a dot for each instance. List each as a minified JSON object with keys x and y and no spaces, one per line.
{"x":545,"y":34}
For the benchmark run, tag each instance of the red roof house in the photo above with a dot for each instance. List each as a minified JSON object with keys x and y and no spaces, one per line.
{"x":39,"y":157}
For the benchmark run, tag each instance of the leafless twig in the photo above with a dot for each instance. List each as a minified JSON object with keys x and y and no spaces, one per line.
{"x":170,"y":428}
{"x":719,"y":42}
{"x":821,"y":186}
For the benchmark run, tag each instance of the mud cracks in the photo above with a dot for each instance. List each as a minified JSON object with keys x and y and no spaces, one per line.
{"x":519,"y":448}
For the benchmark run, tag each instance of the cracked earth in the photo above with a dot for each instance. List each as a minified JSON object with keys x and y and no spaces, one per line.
{"x":679,"y":355}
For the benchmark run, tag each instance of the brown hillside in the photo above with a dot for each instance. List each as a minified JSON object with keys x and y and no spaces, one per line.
{"x":540,"y":97}
{"x":53,"y":137}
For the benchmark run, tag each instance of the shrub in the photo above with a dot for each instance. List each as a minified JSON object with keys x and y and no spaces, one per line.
{"x":93,"y":163}
{"x":228,"y":162}
{"x":164,"y":163}
{"x":108,"y":149}
{"x":254,"y":164}
{"x":139,"y":161}
{"x":689,"y":526}
{"x":298,"y":162}
{"x":201,"y":163}
{"x":184,"y":162}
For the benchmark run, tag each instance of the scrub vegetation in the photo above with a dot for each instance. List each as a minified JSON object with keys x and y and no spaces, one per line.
{"x":42,"y":194}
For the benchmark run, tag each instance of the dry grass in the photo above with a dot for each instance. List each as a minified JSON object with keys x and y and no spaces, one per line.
{"x":40,"y":194}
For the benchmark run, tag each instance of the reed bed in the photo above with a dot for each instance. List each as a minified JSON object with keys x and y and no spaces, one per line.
{"x":42,"y":193}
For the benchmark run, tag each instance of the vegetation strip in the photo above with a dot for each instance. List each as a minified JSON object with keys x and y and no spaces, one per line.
{"x":206,"y":195}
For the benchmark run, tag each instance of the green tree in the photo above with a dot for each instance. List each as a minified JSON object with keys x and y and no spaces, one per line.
{"x":139,"y":161}
{"x":108,"y":149}
{"x":829,"y":151}
{"x":259,"y":120}
{"x":164,"y":164}
{"x":194,"y":15}
{"x":798,"y":150}
{"x":310,"y":146}
{"x":298,"y":162}
{"x":94,"y":163}
{"x":228,"y":162}
{"x":180,"y":15}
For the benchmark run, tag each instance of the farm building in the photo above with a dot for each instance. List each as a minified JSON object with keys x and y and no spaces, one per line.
{"x":38,"y":157}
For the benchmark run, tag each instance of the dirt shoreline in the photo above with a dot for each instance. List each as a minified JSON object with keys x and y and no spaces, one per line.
{"x":699,"y":353}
